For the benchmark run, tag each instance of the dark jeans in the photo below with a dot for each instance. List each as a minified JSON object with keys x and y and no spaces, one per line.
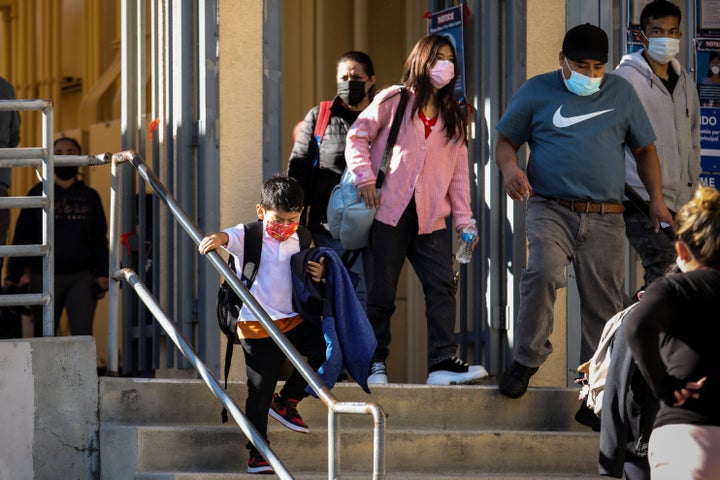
{"x":74,"y":292}
{"x":656,"y":250}
{"x":636,"y":468}
{"x":431,"y":258}
{"x":264,"y":361}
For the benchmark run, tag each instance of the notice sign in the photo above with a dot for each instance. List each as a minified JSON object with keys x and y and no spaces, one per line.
{"x":707,"y":44}
{"x":710,"y":139}
{"x":708,"y":67}
{"x":449,"y":23}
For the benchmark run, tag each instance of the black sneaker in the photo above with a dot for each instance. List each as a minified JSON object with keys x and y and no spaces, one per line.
{"x":514,"y":381}
{"x":453,"y":371}
{"x":258,"y":464}
{"x":284,"y":410}
{"x":587,"y":417}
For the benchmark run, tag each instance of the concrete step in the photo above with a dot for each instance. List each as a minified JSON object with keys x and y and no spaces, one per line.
{"x":364,"y":476}
{"x":170,"y":429}
{"x":156,"y":402}
{"x":221,"y":449}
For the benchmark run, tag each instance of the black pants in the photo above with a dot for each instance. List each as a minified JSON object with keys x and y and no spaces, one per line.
{"x":73,"y":292}
{"x":431,"y":258}
{"x":264,"y":361}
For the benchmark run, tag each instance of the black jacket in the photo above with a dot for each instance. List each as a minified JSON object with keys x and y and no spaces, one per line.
{"x":80,"y":233}
{"x":319,"y":182}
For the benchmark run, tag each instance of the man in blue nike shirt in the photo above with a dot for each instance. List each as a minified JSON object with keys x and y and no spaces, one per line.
{"x":576,"y":122}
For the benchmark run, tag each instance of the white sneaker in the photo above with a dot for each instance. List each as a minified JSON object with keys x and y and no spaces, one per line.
{"x":454,"y":371}
{"x":378,"y":374}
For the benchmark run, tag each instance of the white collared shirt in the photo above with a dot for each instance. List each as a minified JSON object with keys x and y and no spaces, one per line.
{"x":273,"y":283}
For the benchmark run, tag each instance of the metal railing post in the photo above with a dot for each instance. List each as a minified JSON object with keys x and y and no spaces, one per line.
{"x":48,"y":235}
{"x":333,"y":445}
{"x":113,"y":354}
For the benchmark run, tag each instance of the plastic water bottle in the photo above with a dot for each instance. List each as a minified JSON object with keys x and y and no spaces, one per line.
{"x":467,"y":237}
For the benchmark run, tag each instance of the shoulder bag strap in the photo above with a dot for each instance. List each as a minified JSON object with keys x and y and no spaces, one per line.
{"x":322,"y":121}
{"x":392,"y":136}
{"x":305,"y":237}
{"x":252,"y":251}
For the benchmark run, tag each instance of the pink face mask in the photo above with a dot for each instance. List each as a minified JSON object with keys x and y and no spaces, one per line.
{"x":442,"y":73}
{"x":281,"y":231}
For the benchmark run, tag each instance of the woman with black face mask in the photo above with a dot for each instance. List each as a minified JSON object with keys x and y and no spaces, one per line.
{"x":80,"y":246}
{"x":318,"y":163}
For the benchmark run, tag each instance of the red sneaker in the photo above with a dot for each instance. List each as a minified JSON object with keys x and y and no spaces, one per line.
{"x":258,"y":464}
{"x":285,"y":411}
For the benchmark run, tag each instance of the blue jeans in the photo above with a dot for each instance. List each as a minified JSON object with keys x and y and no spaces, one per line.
{"x":431,"y":258}
{"x":656,"y":250}
{"x":595,"y":243}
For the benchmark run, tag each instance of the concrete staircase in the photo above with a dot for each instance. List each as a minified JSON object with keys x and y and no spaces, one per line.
{"x":171,"y":429}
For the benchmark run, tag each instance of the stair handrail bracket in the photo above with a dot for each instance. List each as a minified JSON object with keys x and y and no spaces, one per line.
{"x":334,"y":406}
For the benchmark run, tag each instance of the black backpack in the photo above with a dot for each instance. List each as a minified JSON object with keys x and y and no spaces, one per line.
{"x":228,"y":302}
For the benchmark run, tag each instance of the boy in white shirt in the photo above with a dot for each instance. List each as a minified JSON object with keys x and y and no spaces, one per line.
{"x":280,"y":207}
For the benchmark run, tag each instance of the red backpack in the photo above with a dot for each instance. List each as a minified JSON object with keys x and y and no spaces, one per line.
{"x":321,"y":124}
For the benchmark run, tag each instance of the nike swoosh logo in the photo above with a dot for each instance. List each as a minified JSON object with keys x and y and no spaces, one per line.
{"x":562,"y":122}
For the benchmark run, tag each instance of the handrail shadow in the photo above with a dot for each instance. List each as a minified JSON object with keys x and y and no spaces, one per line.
{"x":335,"y":407}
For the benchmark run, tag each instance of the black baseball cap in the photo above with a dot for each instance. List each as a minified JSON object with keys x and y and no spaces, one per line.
{"x":586,"y":42}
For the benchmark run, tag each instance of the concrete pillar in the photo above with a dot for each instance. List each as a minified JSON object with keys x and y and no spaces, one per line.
{"x":49,"y":413}
{"x":241,"y":109}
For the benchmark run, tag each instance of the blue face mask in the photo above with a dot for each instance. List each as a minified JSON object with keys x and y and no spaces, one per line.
{"x":662,"y":50}
{"x":580,"y":84}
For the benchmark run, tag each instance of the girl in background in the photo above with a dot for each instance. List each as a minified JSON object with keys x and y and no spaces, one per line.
{"x":426,"y":181}
{"x":673,"y":336}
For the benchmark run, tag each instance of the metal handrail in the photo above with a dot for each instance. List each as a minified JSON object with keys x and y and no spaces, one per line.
{"x":334,"y":406}
{"x":207,"y":375}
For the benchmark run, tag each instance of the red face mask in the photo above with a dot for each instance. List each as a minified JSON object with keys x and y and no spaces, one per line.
{"x":280,"y":231}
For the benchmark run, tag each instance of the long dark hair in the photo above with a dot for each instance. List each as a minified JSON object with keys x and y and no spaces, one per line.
{"x":416,"y":75}
{"x":363,"y":59}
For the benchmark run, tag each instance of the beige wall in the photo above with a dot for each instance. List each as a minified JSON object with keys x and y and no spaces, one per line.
{"x":545,"y":31}
{"x":241,"y":106}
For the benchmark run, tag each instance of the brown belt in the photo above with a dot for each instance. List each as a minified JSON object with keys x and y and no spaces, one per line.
{"x":587,"y":207}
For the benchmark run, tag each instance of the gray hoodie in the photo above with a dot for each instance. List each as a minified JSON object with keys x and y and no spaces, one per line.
{"x":676,"y":121}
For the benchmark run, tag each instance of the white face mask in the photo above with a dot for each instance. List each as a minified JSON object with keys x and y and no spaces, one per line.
{"x":580,"y":84}
{"x":662,"y":49}
{"x":681,"y":264}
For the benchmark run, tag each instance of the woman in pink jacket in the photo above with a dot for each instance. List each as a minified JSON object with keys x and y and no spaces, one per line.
{"x":427,"y":179}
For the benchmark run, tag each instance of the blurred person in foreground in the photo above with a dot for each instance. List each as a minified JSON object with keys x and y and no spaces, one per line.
{"x":673,"y":335}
